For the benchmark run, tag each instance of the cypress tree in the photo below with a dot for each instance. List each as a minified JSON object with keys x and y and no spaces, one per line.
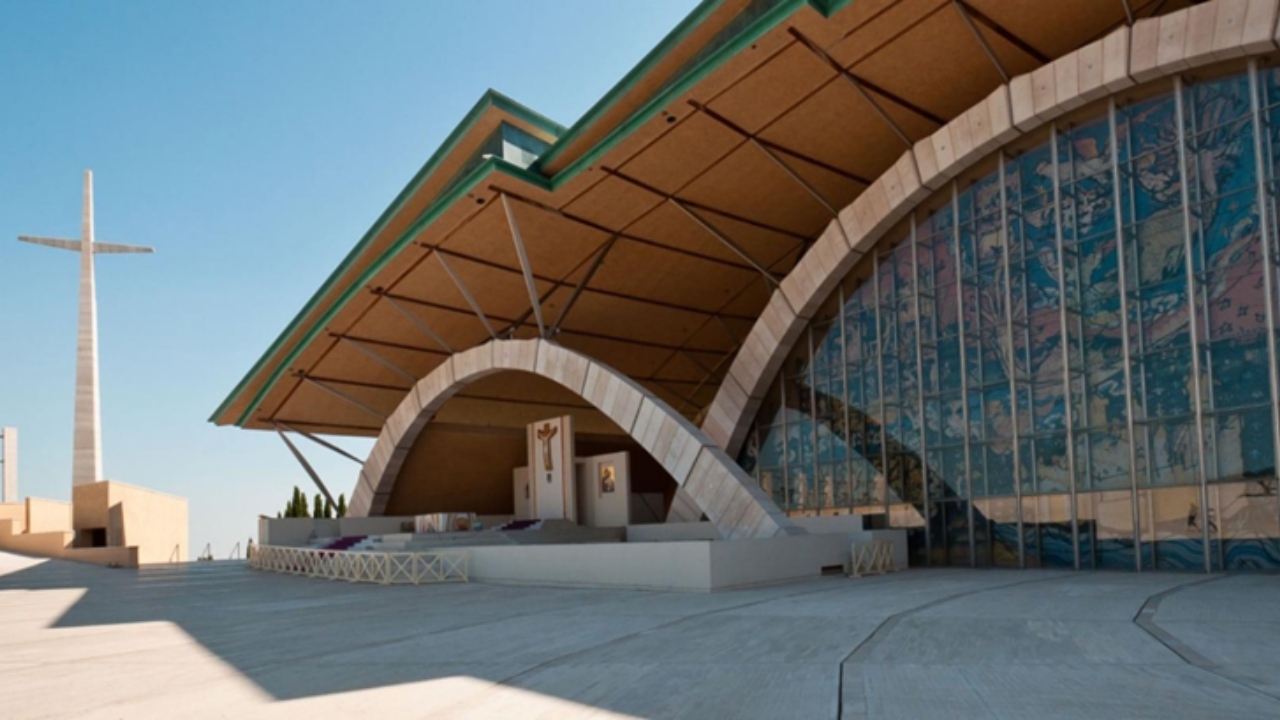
{"x":319,"y":511}
{"x":328,"y":508}
{"x":342,"y":505}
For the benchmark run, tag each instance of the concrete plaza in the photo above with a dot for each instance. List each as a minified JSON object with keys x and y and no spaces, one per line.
{"x":219,"y":640}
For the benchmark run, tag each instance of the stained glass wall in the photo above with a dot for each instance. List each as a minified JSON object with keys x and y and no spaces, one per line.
{"x":1067,"y":358}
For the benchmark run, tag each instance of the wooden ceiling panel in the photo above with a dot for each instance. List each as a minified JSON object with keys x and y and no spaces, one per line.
{"x":487,"y":237}
{"x":523,"y":387}
{"x":644,"y":271}
{"x":938,"y":65}
{"x":386,"y":324}
{"x":500,"y":292}
{"x":782,"y":81}
{"x":556,"y":246}
{"x":693,"y":145}
{"x":1014,"y":58}
{"x":428,"y":281}
{"x":669,"y":226}
{"x":837,"y":125}
{"x":683,"y":367}
{"x":763,"y":245}
{"x":749,"y":184}
{"x":459,"y":327}
{"x":628,"y":358}
{"x":881,"y":27}
{"x":494,"y":413}
{"x":346,"y":361}
{"x":309,"y":401}
{"x":617,"y":317}
{"x":613,"y":203}
{"x":836,"y":189}
{"x":1058,"y":27}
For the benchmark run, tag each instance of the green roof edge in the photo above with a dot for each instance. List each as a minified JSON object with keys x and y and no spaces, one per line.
{"x":764,"y":24}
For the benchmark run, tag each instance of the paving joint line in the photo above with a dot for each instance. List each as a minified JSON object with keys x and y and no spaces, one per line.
{"x":862,"y":650}
{"x":508,"y":681}
{"x":1145,"y":619}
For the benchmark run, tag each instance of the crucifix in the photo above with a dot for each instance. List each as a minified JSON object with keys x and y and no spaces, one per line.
{"x":87,"y":458}
{"x":545,"y":433}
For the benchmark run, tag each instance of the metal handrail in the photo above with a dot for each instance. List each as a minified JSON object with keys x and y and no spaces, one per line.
{"x":383,"y":568}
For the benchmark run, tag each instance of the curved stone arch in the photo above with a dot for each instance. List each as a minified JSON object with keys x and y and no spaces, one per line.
{"x":708,"y":479}
{"x":1151,"y":49}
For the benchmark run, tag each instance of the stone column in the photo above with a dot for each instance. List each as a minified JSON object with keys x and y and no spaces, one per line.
{"x":87,"y":458}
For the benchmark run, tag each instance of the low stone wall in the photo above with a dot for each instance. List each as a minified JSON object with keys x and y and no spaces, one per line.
{"x":672,"y":532}
{"x":48,"y":516}
{"x":693,"y":566}
{"x":17,"y":512}
{"x":58,"y":545}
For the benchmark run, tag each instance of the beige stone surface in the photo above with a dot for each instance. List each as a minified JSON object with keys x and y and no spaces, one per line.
{"x":683,"y":510}
{"x":961,"y":139}
{"x":516,"y":355}
{"x":152,"y":522}
{"x":1144,"y":48}
{"x":1171,"y":46}
{"x":812,"y":279}
{"x":1089,"y":72}
{"x":15,"y":512}
{"x":47,"y":515}
{"x":1200,"y":26}
{"x":408,"y":418}
{"x":1116,"y":59}
{"x":944,"y":155}
{"x":1022,"y":102}
{"x":614,"y":395}
{"x":1066,"y":82}
{"x":1261,"y":27}
{"x":474,"y":363}
{"x":1000,"y":111}
{"x":562,"y":365}
{"x":1044,"y":96}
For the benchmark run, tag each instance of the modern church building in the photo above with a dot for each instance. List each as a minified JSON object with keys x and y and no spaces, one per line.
{"x":998,"y":273}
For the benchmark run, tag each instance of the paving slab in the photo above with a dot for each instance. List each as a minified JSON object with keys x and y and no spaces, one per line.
{"x":217,"y":640}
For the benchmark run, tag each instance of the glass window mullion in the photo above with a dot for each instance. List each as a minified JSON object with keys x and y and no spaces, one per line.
{"x":1012,"y":369}
{"x":1066,"y":346}
{"x":964,"y":370}
{"x":1268,"y":252}
{"x":1127,"y":355}
{"x":920,"y":383}
{"x":1197,"y":397}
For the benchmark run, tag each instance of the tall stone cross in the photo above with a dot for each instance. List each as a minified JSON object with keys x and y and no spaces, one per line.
{"x":87,"y":460}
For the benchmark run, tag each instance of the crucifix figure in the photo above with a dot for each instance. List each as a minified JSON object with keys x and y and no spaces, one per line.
{"x":87,"y":459}
{"x":545,"y":433}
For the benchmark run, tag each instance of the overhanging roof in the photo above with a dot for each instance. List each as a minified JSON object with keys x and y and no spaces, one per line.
{"x":659,"y":216}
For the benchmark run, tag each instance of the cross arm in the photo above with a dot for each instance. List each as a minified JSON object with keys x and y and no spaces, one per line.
{"x":102,"y":248}
{"x":73,"y":245}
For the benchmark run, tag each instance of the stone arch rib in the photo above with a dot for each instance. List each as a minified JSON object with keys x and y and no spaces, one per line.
{"x":1152,"y":48}
{"x":707,"y":477}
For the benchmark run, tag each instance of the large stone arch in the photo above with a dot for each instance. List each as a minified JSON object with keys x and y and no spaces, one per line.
{"x":1151,"y":49}
{"x":709,"y":480}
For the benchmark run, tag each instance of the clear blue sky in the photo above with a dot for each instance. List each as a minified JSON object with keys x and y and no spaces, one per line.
{"x":252,"y":143}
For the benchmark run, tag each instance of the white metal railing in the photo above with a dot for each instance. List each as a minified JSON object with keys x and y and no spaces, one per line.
{"x":389,"y":568}
{"x":871,"y":558}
